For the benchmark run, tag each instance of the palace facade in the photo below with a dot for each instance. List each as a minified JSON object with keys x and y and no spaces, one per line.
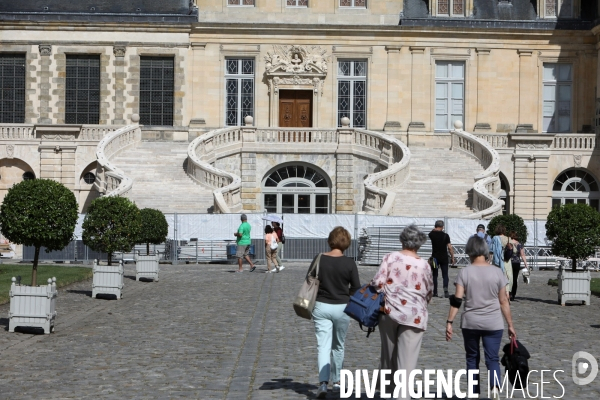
{"x":403,"y":107}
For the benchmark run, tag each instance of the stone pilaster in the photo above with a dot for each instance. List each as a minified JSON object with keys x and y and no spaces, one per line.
{"x":250,"y":191}
{"x":44,"y":84}
{"x":119,"y":84}
{"x":419,"y":89}
{"x":344,"y":171}
{"x":528,"y":93}
{"x":393,"y":87}
{"x":531,"y":196}
{"x":483,"y":106}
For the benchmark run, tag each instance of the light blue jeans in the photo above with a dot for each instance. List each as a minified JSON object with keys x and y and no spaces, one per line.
{"x":331,"y":325}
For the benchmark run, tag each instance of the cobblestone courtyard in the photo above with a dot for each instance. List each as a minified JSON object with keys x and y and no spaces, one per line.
{"x":203,"y":332}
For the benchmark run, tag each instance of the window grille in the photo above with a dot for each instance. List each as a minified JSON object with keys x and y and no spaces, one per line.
{"x":83,"y":89}
{"x":12,"y":95}
{"x":352,"y":92}
{"x":449,"y":94}
{"x":297,"y":3}
{"x":239,"y":89}
{"x":353,"y":3}
{"x":157,"y":84}
{"x":240,"y":2}
{"x":557,"y":97}
{"x":89,"y":178}
{"x":576,"y":186}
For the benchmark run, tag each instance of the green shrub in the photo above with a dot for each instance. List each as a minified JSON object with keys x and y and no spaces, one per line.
{"x":154,"y":227}
{"x":574,"y":230}
{"x":111,"y":224}
{"x":512,"y":222}
{"x":39,"y":212}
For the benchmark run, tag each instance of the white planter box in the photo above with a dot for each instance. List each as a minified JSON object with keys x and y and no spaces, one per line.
{"x":573,"y":286}
{"x":146,"y":267}
{"x":108,"y":280}
{"x":33,"y":306}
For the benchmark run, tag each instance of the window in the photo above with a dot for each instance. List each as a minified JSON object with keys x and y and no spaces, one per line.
{"x":296,"y":189}
{"x":239,"y":87}
{"x":240,"y":2}
{"x":12,"y":95}
{"x":576,"y":186}
{"x":352,"y":92}
{"x":28,"y":176}
{"x":83,"y":89}
{"x":557,"y":97}
{"x":449,"y":94}
{"x":451,"y":7}
{"x":353,"y":3}
{"x":89,"y":178}
{"x":297,"y":3}
{"x":157,"y":84}
{"x":558,"y":8}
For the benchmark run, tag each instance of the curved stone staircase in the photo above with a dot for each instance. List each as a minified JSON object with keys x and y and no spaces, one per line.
{"x":439,"y":185}
{"x":160,"y":180}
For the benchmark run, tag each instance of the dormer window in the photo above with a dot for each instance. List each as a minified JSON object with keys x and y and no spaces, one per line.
{"x":450,"y":8}
{"x":559,"y":8}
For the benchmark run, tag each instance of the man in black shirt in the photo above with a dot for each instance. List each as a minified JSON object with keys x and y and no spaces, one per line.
{"x":440,"y":245}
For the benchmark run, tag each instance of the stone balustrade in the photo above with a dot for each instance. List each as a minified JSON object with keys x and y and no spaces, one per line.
{"x":96,"y":132}
{"x":487,"y":184}
{"x":380,"y":187}
{"x":496,"y":140}
{"x":17,"y":131}
{"x":575,"y":141}
{"x":110,"y":180}
{"x":204,"y":150}
{"x":387,"y":151}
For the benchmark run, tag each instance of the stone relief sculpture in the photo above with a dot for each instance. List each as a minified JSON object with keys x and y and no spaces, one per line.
{"x":297,"y":59}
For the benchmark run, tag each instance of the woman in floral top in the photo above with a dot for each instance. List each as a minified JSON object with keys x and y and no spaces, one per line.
{"x":407,"y":282}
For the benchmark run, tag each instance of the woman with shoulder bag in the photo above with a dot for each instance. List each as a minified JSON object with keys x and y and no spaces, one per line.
{"x":339,"y":279}
{"x":518,"y":255}
{"x":482,"y":288}
{"x":407,"y":281}
{"x":271,"y":240}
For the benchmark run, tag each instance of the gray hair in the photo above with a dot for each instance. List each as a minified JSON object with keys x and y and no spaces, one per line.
{"x":439,"y":224}
{"x":476,"y":247}
{"x":412,"y":238}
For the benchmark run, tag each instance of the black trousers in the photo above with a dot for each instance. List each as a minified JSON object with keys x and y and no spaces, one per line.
{"x":444,"y":268}
{"x":516,"y":267}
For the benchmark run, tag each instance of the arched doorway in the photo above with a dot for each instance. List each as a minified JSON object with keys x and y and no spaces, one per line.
{"x":576,"y":186}
{"x":296,"y":189}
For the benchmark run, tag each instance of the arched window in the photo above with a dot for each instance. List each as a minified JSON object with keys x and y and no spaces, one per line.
{"x":28,"y":175}
{"x":576,"y":186}
{"x":504,"y":191}
{"x":89,"y":178}
{"x":296,"y":189}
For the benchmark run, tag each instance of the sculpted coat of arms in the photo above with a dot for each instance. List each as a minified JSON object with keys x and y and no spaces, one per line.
{"x":297,"y":60}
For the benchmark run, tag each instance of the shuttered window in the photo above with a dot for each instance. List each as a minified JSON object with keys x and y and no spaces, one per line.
{"x":449,"y":94}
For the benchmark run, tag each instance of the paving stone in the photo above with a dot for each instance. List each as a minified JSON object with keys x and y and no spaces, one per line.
{"x":204,"y":332}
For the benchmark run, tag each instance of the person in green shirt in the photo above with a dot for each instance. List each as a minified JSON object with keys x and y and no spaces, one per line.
{"x":243,"y":244}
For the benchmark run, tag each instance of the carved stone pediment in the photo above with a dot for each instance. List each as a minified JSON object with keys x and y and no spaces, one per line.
{"x":296,"y":67}
{"x":299,"y":60}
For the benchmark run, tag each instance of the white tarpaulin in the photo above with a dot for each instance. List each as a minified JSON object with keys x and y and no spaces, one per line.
{"x":223,"y":226}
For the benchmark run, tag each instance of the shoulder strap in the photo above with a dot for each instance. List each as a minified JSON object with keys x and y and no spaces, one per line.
{"x":316,"y":265}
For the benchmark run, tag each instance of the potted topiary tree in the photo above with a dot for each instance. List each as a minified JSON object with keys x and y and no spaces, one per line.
{"x":154,"y":230}
{"x":38,"y":213}
{"x":111,"y":224}
{"x":574,"y":230}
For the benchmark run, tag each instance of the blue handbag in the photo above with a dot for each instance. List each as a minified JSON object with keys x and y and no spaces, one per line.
{"x":364,"y":306}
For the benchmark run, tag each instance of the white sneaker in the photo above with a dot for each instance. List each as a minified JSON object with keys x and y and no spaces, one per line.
{"x":336,"y":387}
{"x":322,"y":391}
{"x":268,"y":272}
{"x":495,"y":394}
{"x":281,"y":268}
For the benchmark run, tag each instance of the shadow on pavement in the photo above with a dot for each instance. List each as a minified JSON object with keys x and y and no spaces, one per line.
{"x":87,"y":293}
{"x":4,"y":323}
{"x":289,"y":384}
{"x":593,"y":326}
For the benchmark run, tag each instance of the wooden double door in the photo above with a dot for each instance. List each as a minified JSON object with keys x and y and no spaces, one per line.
{"x":295,"y":108}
